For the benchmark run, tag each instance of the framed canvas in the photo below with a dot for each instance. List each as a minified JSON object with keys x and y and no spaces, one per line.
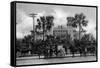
{"x":50,"y":33}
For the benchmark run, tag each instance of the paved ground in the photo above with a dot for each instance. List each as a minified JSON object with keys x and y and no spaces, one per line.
{"x":34,"y":60}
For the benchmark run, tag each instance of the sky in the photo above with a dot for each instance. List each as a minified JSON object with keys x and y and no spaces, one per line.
{"x":60,"y":13}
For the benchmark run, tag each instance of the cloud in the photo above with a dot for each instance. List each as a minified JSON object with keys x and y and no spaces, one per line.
{"x":90,"y":28}
{"x":19,"y":35}
{"x":41,"y":13}
{"x":60,"y":16}
{"x":24,"y":24}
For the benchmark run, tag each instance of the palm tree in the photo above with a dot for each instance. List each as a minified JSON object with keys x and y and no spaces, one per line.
{"x":49,"y":23}
{"x":78,"y":21}
{"x":45,"y":23}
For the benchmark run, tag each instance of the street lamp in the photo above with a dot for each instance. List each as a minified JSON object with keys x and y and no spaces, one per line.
{"x":33,"y":15}
{"x":33,"y":32}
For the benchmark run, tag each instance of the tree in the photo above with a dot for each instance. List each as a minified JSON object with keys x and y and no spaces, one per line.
{"x":85,"y":37}
{"x":78,"y":21}
{"x":89,"y":42}
{"x":88,"y":37}
{"x":27,"y":40}
{"x":18,"y":46}
{"x":45,"y":24}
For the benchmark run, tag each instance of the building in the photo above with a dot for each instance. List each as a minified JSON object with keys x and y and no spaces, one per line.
{"x":65,"y":31}
{"x":60,"y":31}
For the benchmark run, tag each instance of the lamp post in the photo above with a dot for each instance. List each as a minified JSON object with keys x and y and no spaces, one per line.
{"x":33,"y":31}
{"x":33,"y":15}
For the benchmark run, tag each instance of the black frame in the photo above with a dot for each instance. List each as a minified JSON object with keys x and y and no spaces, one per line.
{"x":13,"y":31}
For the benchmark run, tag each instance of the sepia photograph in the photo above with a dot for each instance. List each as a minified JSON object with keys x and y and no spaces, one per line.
{"x":54,"y":33}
